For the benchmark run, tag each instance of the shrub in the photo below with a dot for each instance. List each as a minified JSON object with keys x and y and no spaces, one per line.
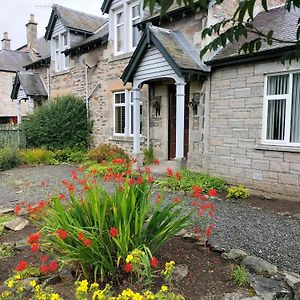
{"x":61,"y":123}
{"x":101,"y":169}
{"x":107,"y":152}
{"x":188,"y":179}
{"x":37,"y":156}
{"x":8,"y":157}
{"x":237,"y":192}
{"x":70,"y":155}
{"x":99,"y":229}
{"x":240,"y":276}
{"x":149,"y":155}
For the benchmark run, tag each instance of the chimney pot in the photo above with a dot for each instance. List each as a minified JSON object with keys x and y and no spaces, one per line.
{"x":5,"y":41}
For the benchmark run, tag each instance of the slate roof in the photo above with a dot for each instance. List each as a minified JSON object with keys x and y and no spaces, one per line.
{"x":13,"y":60}
{"x":31,"y":83}
{"x":177,"y":50}
{"x":100,"y":37}
{"x":74,"y":20}
{"x":282,"y":22}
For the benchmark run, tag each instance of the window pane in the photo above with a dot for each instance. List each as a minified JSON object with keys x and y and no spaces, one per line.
{"x":276,"y":119}
{"x":135,"y":36}
{"x":56,"y":43}
{"x":65,"y":39}
{"x":120,"y":119}
{"x":120,"y":98}
{"x":295,"y":115}
{"x":278,"y":85}
{"x":120,"y":17}
{"x":120,"y":38}
{"x":136,"y":11}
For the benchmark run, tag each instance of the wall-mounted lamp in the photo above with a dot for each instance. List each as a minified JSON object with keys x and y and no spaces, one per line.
{"x":156,"y":104}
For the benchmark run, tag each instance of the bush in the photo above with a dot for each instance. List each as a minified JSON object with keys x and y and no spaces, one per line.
{"x":61,"y":123}
{"x":240,"y":276}
{"x":237,"y":192}
{"x":99,"y":229}
{"x":149,"y":155}
{"x":187,"y":179}
{"x":107,"y":152}
{"x":37,"y":156}
{"x":8,"y":157}
{"x":69,"y":155}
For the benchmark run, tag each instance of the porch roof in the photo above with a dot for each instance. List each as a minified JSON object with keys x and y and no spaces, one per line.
{"x":175,"y":48}
{"x":31,"y":83}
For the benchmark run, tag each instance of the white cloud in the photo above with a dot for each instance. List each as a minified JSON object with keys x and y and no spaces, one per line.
{"x":15,"y":14}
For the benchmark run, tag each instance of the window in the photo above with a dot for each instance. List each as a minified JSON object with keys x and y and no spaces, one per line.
{"x":60,"y":43}
{"x":281,"y":122}
{"x":123,"y":113}
{"x":126,"y":34}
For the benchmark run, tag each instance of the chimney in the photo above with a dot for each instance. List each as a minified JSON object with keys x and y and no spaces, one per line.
{"x":32,"y":33}
{"x":5,"y":41}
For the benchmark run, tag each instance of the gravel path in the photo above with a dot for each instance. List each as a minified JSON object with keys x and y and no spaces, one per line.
{"x":273,"y":237}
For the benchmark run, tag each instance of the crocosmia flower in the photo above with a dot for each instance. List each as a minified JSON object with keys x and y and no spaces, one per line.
{"x":113,"y":232}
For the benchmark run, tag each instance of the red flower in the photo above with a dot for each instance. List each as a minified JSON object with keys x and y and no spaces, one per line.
{"x":212,"y":193}
{"x":17,"y":209}
{"x":61,"y":196}
{"x":131,"y":181}
{"x":195,"y":203}
{"x":147,"y":170}
{"x":44,"y":258}
{"x":133,"y":160}
{"x":21,"y":266}
{"x":44,"y":269}
{"x":53,"y":266}
{"x":128,"y":267}
{"x":197,"y":229}
{"x":150,"y":178}
{"x":197,"y":188}
{"x":87,"y":242}
{"x":29,"y":208}
{"x":43,"y":183}
{"x":62,"y":234}
{"x":154,"y":262}
{"x":156,"y":161}
{"x":139,"y":180}
{"x":113,"y":232}
{"x":176,"y":200}
{"x":170,"y":172}
{"x":94,"y":171}
{"x":71,"y":187}
{"x":158,"y":198}
{"x":211,"y":213}
{"x":34,"y":248}
{"x":209,"y":230}
{"x":33,"y":238}
{"x":80,"y":168}
{"x":178,"y":175}
{"x":80,"y":236}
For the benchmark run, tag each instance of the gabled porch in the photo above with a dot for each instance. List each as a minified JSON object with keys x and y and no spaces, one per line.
{"x":168,"y":63}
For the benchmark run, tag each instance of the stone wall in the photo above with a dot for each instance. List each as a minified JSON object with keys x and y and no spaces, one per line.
{"x":235,"y":124}
{"x":8,"y":108}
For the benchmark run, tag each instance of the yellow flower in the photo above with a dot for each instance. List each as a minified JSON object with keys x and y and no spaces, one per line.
{"x":83,"y":287}
{"x":17,"y":276}
{"x":10,"y":283}
{"x":129,"y":258}
{"x":32,"y":283}
{"x":54,"y":297}
{"x":20,"y":289}
{"x":149,"y":295}
{"x":94,"y":286}
{"x":164,"y":288}
{"x":98,"y":295}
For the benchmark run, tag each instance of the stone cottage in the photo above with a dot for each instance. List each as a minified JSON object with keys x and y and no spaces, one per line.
{"x":230,"y":115}
{"x":12,"y":62}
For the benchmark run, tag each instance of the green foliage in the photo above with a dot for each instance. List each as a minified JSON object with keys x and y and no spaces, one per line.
{"x":36,"y":156}
{"x":240,"y":275}
{"x":8,"y":157}
{"x":101,"y":169}
{"x":149,"y":155}
{"x":113,"y":225}
{"x":3,"y":219}
{"x":6,"y":250}
{"x":237,"y":192}
{"x":69,"y":155}
{"x":188,"y":179}
{"x":61,"y":123}
{"x":107,"y":152}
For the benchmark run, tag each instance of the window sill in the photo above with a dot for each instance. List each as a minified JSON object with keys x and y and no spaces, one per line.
{"x":278,"y":148}
{"x":121,"y":56}
{"x":120,"y":138}
{"x":58,"y":73}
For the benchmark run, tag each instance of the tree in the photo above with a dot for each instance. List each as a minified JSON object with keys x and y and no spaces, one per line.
{"x":240,"y":24}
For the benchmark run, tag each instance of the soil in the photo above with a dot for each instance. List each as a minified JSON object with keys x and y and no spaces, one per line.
{"x":208,"y":275}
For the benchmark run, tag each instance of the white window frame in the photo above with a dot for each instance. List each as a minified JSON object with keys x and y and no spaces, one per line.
{"x":131,"y":21}
{"x":61,"y":61}
{"x":128,"y":115}
{"x":116,"y":25}
{"x":288,"y":98}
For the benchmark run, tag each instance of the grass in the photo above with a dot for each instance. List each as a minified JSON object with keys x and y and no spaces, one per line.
{"x":3,"y":219}
{"x":6,"y":250}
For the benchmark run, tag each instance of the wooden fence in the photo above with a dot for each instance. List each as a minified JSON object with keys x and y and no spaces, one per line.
{"x":11,"y":134}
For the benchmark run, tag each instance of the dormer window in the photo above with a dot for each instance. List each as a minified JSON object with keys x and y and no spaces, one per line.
{"x":60,"y":43}
{"x":126,"y":33}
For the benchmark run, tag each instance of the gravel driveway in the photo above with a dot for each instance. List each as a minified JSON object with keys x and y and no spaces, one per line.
{"x":273,"y":237}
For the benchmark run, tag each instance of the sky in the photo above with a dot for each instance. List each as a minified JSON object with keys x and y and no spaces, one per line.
{"x":14,"y":15}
